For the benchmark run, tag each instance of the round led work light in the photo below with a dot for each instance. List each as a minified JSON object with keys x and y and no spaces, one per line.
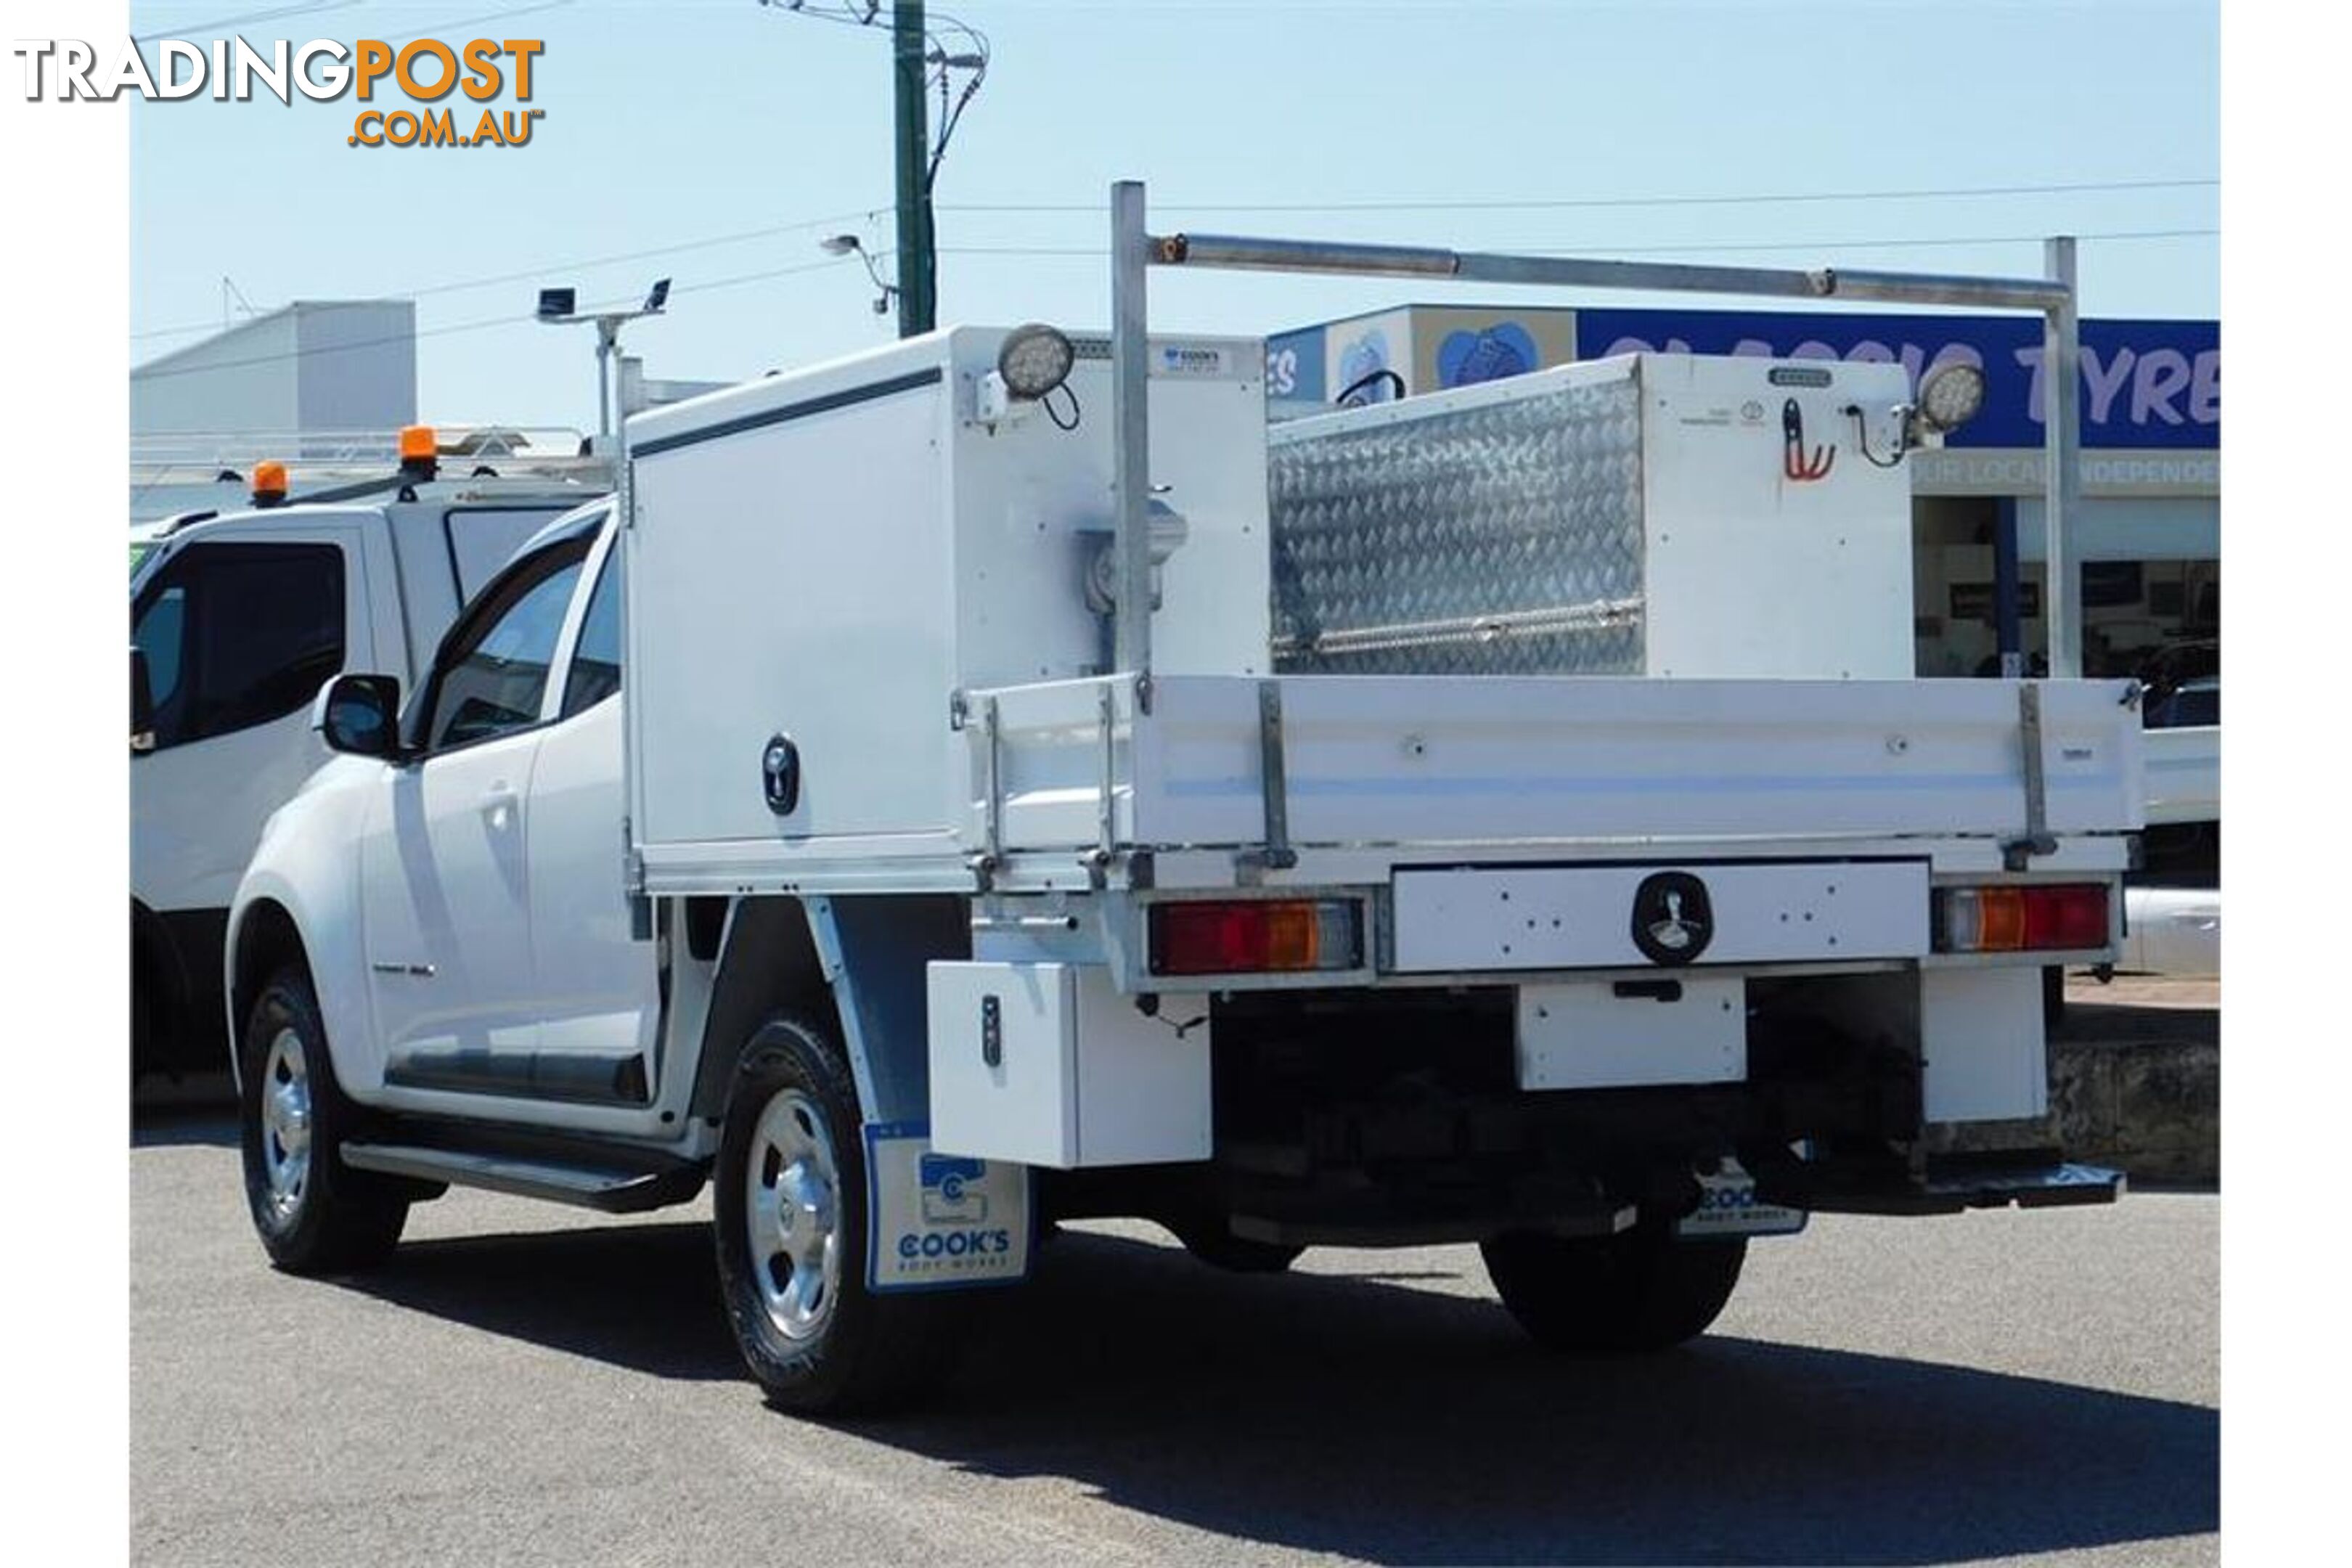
{"x":1034,"y":359}
{"x":1952,"y":395}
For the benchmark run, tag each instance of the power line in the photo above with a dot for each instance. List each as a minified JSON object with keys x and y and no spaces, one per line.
{"x":1095,"y":252}
{"x":938,"y":29}
{"x":481,"y":323}
{"x":927,"y":50}
{"x":1084,"y":252}
{"x":1570,"y":204}
{"x":850,"y":13}
{"x":224,"y":23}
{"x":437,"y":28}
{"x":770,"y":231}
{"x":442,"y":331}
{"x":526,"y":274}
{"x":713,"y":284}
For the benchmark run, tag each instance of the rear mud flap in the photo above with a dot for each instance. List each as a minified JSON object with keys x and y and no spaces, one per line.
{"x":942,"y":1222}
{"x":1728,"y":1207}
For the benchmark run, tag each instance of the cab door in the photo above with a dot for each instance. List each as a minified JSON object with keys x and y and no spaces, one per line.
{"x":599,"y":984}
{"x":445,"y":870}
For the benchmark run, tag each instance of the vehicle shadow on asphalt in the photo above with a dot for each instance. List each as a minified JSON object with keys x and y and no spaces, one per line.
{"x":642,"y":1297}
{"x":1344,"y":1415}
{"x":2121,"y":1023}
{"x":160,"y":1124}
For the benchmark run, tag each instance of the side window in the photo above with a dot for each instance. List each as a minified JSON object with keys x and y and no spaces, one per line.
{"x":163,"y":635}
{"x":268,"y":634}
{"x":596,"y":672}
{"x":237,"y":634}
{"x":496,"y":680}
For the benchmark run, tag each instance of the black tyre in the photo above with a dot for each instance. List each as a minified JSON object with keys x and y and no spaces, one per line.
{"x":146,"y":1025}
{"x":789,"y":1201}
{"x":1639,"y":1291}
{"x":1213,"y":1244}
{"x":313,"y":1215}
{"x":142,"y":1025}
{"x":2053,"y":997}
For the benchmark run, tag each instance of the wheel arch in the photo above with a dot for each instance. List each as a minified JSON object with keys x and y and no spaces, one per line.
{"x":768,"y":961}
{"x":859,"y":960}
{"x":265,"y":940}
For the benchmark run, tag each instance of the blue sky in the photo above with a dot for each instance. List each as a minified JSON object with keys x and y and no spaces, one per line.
{"x":730,"y":138}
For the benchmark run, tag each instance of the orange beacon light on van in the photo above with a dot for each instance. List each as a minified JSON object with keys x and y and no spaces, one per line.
{"x":268,"y":483}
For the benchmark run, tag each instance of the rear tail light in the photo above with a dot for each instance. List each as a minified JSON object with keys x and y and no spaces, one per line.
{"x":2038,"y":918}
{"x":1256,"y":936}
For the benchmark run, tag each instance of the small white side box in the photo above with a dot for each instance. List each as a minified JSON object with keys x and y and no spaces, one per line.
{"x":1595,"y":1035}
{"x":1045,"y":1064}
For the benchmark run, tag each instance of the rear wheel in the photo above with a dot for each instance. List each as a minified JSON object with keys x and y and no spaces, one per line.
{"x":313,"y":1215}
{"x":1641,"y":1290}
{"x":790,"y":1201}
{"x":1208,"y":1238}
{"x":142,"y":1025}
{"x":2053,"y":997}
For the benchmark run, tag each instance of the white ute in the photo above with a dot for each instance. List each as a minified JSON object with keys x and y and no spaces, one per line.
{"x":902,"y":902}
{"x":237,"y":618}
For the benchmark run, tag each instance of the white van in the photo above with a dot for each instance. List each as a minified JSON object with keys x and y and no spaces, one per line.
{"x":237,"y":620}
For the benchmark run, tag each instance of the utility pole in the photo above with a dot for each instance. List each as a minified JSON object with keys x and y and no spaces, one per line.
{"x":916,"y":265}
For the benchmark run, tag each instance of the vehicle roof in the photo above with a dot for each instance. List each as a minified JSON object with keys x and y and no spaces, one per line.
{"x":298,"y":509}
{"x":277,"y":516}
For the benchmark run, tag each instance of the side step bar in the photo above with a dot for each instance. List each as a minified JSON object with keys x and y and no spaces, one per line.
{"x":611,"y":1187}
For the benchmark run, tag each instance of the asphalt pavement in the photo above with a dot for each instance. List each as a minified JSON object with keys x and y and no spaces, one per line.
{"x":529,"y":1385}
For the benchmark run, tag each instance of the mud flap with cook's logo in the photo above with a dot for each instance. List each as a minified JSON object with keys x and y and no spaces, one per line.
{"x":1727,"y":1207}
{"x":938,"y":1222}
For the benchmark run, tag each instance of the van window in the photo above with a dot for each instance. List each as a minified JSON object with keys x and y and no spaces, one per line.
{"x":238,"y":634}
{"x":161,"y":634}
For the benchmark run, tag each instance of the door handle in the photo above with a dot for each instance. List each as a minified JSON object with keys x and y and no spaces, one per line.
{"x":498,"y":805}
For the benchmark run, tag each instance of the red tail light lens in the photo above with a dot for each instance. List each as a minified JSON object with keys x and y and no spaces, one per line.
{"x":2064,"y":917}
{"x":1255,"y":936}
{"x":2036,"y":918}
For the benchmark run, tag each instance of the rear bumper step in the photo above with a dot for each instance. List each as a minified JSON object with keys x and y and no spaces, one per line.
{"x":1948,"y":1185}
{"x":1409,"y":1216}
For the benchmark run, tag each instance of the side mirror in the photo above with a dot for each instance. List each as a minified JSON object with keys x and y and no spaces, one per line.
{"x":360,"y":714}
{"x":143,"y":704}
